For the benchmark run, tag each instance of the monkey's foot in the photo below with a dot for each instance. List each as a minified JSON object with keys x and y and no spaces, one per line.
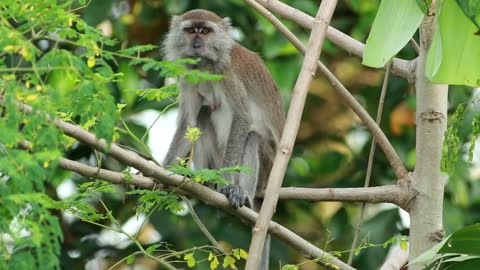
{"x":236,"y":195}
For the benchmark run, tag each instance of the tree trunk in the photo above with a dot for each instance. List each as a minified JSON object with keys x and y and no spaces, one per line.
{"x":426,"y":227}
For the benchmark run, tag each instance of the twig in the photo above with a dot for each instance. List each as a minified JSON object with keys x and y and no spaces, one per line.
{"x":383,"y":142}
{"x":400,"y":67}
{"x":202,"y":226}
{"x":290,"y":130}
{"x":378,"y":119}
{"x":415,"y":45}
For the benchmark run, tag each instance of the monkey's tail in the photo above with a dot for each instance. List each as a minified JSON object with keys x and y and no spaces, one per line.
{"x":266,"y":254}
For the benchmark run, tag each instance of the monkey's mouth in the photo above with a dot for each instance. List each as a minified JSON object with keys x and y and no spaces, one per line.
{"x":203,"y":60}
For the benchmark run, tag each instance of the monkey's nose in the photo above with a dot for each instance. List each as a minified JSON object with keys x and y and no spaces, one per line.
{"x":197,"y":43}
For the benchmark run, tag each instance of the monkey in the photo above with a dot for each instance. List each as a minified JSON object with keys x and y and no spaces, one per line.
{"x":241,"y":115}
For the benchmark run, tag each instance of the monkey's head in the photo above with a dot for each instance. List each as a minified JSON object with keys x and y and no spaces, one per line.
{"x":199,"y":34}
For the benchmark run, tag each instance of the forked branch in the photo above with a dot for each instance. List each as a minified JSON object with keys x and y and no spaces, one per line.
{"x":400,"y":67}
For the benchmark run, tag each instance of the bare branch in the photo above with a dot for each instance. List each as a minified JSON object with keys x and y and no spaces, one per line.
{"x":415,"y":45}
{"x":395,"y":194}
{"x":290,"y":130}
{"x":396,"y":259}
{"x":202,"y":227}
{"x":199,"y":191}
{"x":381,"y":101}
{"x":400,"y":67}
{"x":379,"y":136}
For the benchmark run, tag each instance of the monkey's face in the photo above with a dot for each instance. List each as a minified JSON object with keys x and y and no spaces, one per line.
{"x":201,"y":39}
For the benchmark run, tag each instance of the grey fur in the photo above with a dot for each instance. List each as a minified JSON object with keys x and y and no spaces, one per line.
{"x":240,"y":116}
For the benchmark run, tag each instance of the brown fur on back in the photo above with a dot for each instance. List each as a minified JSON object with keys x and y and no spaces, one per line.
{"x":255,"y":74}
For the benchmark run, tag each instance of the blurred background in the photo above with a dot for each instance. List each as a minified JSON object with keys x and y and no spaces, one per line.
{"x":331,"y":149}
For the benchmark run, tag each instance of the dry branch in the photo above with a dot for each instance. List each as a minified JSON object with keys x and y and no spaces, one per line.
{"x":400,"y":67}
{"x":290,"y":130}
{"x":379,"y":136}
{"x":200,"y":192}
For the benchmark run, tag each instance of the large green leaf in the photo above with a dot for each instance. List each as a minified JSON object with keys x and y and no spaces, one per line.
{"x":471,"y":8}
{"x":465,"y":240}
{"x":454,"y":55}
{"x":394,"y":25}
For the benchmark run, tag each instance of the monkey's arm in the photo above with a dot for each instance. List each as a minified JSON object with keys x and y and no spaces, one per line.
{"x":188,"y":115}
{"x":240,"y":192}
{"x":179,"y":146}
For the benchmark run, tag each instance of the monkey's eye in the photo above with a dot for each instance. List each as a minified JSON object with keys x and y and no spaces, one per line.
{"x":189,"y":30}
{"x":205,"y":30}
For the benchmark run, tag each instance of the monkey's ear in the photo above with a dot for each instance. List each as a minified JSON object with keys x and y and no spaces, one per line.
{"x":227,"y":22}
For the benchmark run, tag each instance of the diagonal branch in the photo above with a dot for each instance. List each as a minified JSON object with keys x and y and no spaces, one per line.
{"x":290,"y":130}
{"x":378,"y":119}
{"x":202,"y":193}
{"x":400,"y":67}
{"x":379,"y":136}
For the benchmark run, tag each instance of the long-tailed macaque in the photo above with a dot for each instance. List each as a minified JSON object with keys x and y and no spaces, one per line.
{"x":241,"y":116}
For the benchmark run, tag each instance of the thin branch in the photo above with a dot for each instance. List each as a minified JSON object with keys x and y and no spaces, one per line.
{"x":381,"y":102}
{"x":290,"y":131}
{"x":201,"y":226}
{"x":198,"y":191}
{"x":415,"y":45}
{"x":383,"y":142}
{"x":400,"y":67}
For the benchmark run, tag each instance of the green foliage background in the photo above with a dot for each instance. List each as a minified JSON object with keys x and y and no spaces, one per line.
{"x":53,"y":57}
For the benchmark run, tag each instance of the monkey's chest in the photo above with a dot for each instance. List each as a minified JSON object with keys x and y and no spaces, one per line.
{"x":210,"y":98}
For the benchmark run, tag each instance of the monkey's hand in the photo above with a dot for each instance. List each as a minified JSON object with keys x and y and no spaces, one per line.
{"x":237,"y":196}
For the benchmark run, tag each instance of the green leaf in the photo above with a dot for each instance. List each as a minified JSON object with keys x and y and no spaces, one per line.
{"x":429,"y":255}
{"x":394,"y":26}
{"x":137,"y":49}
{"x":229,"y":261}
{"x":290,"y":267}
{"x":153,"y":248}
{"x":159,"y":94}
{"x":190,"y":260}
{"x":455,"y":51}
{"x":130,"y":259}
{"x":471,"y":9}
{"x":424,"y":5}
{"x":214,"y":263}
{"x":465,"y":240}
{"x":475,"y":133}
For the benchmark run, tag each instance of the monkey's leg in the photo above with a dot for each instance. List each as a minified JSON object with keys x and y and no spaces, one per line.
{"x":242,"y":191}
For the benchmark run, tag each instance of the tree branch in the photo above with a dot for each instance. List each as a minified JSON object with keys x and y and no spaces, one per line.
{"x":290,"y":130}
{"x":395,"y":194}
{"x":378,"y":119}
{"x":396,"y":259}
{"x":200,"y":192}
{"x":379,"y":136}
{"x":400,"y":67}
